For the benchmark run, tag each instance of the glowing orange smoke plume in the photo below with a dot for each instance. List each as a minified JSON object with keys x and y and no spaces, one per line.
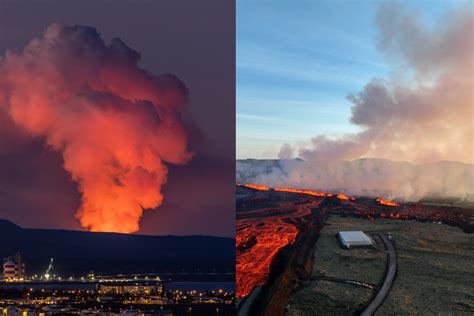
{"x":257,"y":187}
{"x":385,"y":202}
{"x":115,"y":124}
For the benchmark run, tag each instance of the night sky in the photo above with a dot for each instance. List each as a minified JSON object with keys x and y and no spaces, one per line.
{"x":193,"y":40}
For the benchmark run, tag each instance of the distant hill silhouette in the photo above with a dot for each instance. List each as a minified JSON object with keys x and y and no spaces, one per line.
{"x":78,"y":253}
{"x":7,"y":226}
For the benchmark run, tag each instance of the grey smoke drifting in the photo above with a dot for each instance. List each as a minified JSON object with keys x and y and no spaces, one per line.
{"x":422,"y":117}
{"x":286,"y":152}
{"x":365,"y":177}
{"x":427,"y":114}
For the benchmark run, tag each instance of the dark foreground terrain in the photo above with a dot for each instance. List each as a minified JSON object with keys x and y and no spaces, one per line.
{"x":77,"y":253}
{"x":434,"y":271}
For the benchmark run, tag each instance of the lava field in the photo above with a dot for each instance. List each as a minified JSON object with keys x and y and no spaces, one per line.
{"x":270,"y":219}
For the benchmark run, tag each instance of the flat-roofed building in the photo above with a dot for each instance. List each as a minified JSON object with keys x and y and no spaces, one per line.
{"x":353,"y":239}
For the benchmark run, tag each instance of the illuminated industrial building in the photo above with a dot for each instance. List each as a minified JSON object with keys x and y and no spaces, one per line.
{"x":13,"y":267}
{"x":133,"y":288}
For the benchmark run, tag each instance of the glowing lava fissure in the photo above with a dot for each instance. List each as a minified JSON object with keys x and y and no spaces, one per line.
{"x":343,"y":197}
{"x":314,"y":193}
{"x":298,"y":191}
{"x":387,"y":203}
{"x":257,"y":187}
{"x":307,"y":192}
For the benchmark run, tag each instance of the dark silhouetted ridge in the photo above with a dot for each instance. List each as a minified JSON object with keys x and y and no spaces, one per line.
{"x":77,"y":252}
{"x":6,"y":226}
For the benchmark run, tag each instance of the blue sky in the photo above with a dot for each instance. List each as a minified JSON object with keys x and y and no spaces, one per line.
{"x":296,"y":63}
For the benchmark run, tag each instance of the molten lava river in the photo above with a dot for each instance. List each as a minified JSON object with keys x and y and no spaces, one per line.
{"x":262,"y":232}
{"x":259,"y":238}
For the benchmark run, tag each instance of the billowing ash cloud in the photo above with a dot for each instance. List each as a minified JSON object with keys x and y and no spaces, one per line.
{"x":115,"y":124}
{"x":365,"y":177}
{"x":425,"y":112}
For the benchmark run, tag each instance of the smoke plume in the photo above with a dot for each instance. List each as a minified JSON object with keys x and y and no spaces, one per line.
{"x":116,"y":125}
{"x":447,"y":180}
{"x":286,"y":152}
{"x":425,"y":112}
{"x":411,"y":124}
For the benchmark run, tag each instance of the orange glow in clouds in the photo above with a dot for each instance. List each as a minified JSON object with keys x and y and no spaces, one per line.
{"x":116,"y":125}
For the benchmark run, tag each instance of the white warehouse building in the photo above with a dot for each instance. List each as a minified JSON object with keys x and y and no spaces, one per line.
{"x":353,"y":239}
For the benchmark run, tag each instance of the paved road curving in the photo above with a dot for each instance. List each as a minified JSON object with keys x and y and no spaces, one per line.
{"x":389,"y":277}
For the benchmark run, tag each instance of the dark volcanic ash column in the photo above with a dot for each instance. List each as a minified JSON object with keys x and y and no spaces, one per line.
{"x":115,"y":124}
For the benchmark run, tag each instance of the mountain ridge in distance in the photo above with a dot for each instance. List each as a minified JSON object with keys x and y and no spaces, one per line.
{"x":441,"y":182}
{"x":76,"y":253}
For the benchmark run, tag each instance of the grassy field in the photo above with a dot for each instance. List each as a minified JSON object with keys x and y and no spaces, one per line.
{"x":435,"y":271}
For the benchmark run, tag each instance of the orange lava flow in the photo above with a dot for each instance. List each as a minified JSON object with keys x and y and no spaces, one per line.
{"x":313,"y":193}
{"x":387,"y":203}
{"x":267,"y":236}
{"x":257,"y":187}
{"x":300,"y":191}
{"x":342,"y":197}
{"x":308,"y":192}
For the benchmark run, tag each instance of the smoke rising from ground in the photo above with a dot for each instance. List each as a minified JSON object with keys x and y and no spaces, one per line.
{"x":286,"y":152}
{"x":425,"y":112}
{"x":116,"y":125}
{"x":365,"y":177}
{"x":419,"y":124}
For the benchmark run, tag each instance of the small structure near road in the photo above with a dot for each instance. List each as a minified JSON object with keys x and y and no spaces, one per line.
{"x":354,"y":239}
